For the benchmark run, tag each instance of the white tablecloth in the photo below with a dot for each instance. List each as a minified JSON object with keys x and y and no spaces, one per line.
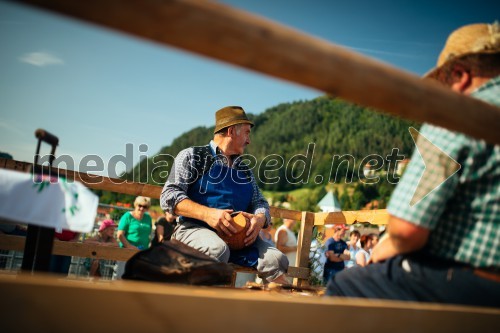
{"x":47,"y":202}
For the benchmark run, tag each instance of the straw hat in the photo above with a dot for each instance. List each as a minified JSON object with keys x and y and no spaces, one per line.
{"x":229,"y":116}
{"x":478,"y":38}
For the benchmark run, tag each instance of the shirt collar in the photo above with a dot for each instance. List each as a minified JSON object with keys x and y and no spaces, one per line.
{"x":219,"y":156}
{"x":215,"y":150}
{"x":491,"y":83}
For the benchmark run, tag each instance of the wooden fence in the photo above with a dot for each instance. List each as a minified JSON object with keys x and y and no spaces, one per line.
{"x":298,"y":270}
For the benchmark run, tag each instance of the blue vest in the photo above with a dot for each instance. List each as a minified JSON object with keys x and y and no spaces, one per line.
{"x":223,"y":187}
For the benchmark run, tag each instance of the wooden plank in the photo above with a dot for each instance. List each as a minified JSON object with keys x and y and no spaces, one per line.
{"x":96,"y":251}
{"x":304,"y":244}
{"x":298,"y":273}
{"x":121,"y":186}
{"x":84,"y":250}
{"x":283,"y":213}
{"x":92,"y":181}
{"x":43,"y":303}
{"x":15,"y":165}
{"x":13,"y":243}
{"x":224,"y":33}
{"x":375,"y":216}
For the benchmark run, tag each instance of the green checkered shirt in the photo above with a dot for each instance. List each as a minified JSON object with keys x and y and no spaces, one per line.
{"x":463,"y":212}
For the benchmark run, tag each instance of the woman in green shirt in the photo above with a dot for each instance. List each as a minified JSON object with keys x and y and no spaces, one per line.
{"x":134,"y":228}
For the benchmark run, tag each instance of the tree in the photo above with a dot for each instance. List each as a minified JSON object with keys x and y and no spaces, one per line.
{"x":345,"y":201}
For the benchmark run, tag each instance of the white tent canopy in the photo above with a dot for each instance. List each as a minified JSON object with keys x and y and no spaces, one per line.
{"x":329,"y":203}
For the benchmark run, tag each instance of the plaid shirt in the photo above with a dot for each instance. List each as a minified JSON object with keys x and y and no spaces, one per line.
{"x":463,"y":211}
{"x":176,"y":187}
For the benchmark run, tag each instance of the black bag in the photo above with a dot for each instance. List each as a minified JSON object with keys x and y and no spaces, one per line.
{"x":174,"y":262}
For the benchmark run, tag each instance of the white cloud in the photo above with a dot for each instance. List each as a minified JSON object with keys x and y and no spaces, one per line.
{"x":4,"y":126}
{"x":41,"y":59}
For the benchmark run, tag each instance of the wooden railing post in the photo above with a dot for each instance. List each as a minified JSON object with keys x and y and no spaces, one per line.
{"x":304,"y":243}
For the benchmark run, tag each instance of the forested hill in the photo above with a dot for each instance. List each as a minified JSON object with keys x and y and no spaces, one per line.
{"x":293,"y":145}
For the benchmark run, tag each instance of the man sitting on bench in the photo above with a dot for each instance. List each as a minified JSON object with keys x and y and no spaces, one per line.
{"x":208,"y":183}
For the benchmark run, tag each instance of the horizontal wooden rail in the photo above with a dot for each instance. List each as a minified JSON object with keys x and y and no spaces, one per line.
{"x":234,"y":36}
{"x":283,"y":213}
{"x":77,"y":249}
{"x":98,"y":251}
{"x":308,"y":219}
{"x":375,"y":216}
{"x":92,"y":181}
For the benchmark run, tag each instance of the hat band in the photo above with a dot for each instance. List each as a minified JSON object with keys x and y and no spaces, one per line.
{"x":233,"y":121}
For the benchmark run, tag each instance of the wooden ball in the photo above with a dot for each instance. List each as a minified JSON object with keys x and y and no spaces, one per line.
{"x":236,"y":241}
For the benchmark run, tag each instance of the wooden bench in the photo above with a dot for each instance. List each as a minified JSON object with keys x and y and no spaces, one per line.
{"x":42,"y":303}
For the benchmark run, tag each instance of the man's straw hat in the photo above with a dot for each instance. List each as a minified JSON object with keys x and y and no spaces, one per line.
{"x":229,"y":116}
{"x":478,"y":38}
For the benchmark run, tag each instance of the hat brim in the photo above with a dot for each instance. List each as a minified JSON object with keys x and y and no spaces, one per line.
{"x":434,"y":72}
{"x":231,"y":123}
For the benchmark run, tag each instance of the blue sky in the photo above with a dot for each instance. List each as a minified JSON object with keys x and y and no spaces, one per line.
{"x":99,"y":90}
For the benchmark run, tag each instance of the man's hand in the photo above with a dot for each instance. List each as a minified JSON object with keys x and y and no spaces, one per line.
{"x":256,"y":224}
{"x":221,"y":220}
{"x":337,"y":257}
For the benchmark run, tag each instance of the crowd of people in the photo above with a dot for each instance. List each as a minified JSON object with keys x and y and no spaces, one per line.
{"x":134,"y":230}
{"x":339,"y":252}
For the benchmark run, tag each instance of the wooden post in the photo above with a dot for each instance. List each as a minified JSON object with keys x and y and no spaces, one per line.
{"x":304,"y":243}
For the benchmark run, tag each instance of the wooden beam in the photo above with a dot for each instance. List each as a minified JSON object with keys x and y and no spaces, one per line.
{"x":45,"y":303}
{"x":92,"y":181}
{"x":13,"y":243}
{"x":283,"y":213}
{"x":94,"y":251}
{"x":98,"y":251}
{"x":77,"y":249}
{"x":234,"y":36}
{"x":301,"y":273}
{"x":375,"y":216}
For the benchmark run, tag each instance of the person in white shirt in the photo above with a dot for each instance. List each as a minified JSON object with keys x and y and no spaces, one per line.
{"x":354,"y":237}
{"x":286,"y":241}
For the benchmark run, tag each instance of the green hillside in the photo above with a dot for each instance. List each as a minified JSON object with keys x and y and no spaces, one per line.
{"x":293,"y":140}
{"x":322,"y":143}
